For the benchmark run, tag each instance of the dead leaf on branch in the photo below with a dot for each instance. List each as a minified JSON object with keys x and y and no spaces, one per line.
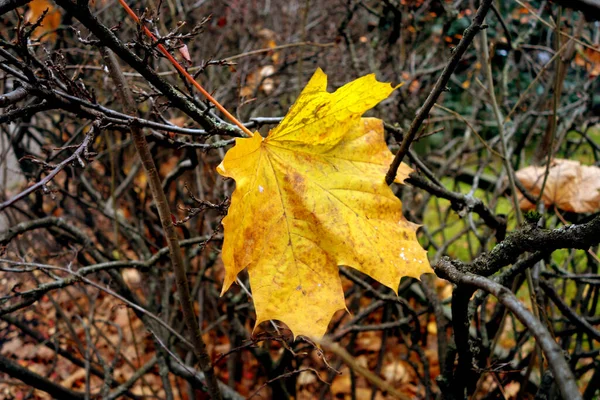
{"x":312,"y":196}
{"x":51,"y":22}
{"x":570,"y":186}
{"x":589,"y":59}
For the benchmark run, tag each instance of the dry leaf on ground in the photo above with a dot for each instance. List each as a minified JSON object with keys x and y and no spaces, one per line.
{"x":570,"y":186}
{"x":259,"y":79}
{"x":312,"y":196}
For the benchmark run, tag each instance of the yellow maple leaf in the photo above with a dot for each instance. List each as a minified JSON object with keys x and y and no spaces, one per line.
{"x":312,"y":196}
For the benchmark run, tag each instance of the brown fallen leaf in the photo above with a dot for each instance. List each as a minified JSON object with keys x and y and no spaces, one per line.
{"x":11,"y":346}
{"x":259,"y":78}
{"x":368,"y":341}
{"x":74,"y":377}
{"x":570,"y":186}
{"x":396,"y":372}
{"x":342,"y":383}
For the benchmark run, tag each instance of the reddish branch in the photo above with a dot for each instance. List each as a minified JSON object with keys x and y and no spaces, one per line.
{"x":81,"y":11}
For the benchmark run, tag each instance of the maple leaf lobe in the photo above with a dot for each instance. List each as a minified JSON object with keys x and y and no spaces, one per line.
{"x":312,"y":196}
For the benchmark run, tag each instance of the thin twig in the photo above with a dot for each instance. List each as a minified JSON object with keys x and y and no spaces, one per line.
{"x":183,"y":71}
{"x":359,"y":369}
{"x":439,"y":88}
{"x":164,"y":212}
{"x":77,"y":155}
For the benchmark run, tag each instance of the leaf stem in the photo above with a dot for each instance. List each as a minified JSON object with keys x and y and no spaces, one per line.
{"x":182,"y":70}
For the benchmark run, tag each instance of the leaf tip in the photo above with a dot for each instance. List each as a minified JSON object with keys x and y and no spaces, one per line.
{"x":221,"y":168}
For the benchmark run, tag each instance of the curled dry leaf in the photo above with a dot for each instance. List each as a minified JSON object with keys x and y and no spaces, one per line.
{"x":312,"y":196}
{"x":185,"y":53}
{"x":132,"y":277}
{"x":306,"y":378}
{"x":570,"y":186}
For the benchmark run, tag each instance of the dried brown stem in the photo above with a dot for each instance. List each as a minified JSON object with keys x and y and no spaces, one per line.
{"x":164,"y":212}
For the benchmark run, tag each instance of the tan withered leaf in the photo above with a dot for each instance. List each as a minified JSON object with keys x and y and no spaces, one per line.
{"x":570,"y":186}
{"x":312,"y":196}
